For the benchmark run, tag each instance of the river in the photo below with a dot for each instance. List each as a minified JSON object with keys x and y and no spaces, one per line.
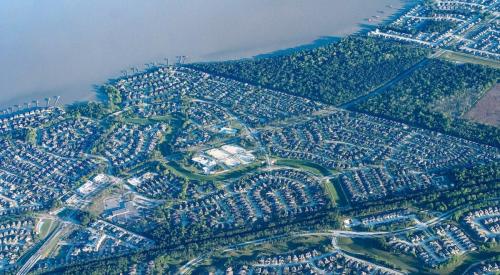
{"x":66,"y":47}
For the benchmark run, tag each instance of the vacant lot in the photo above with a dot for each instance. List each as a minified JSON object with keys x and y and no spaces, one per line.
{"x":487,"y":110}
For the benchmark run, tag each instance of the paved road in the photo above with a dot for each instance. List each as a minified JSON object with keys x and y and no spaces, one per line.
{"x":189,"y":266}
{"x":54,"y":236}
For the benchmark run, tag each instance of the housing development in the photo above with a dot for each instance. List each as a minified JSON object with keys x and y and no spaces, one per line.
{"x":468,"y":26}
{"x":209,"y":169}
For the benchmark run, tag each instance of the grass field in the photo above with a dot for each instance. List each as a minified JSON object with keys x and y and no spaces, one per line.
{"x":342,"y":198}
{"x":304,"y":165}
{"x":487,"y":109}
{"x":46,"y":226}
{"x":464,"y":261}
{"x":467,"y":58}
{"x":333,"y":193}
{"x":370,"y":249}
{"x":252,"y":252}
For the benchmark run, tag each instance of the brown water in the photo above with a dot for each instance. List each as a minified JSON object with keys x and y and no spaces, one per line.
{"x":65,"y":47}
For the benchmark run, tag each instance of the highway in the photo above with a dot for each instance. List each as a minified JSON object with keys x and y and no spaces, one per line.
{"x":54,"y":237}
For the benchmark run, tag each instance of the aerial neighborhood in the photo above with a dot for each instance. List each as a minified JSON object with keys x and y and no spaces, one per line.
{"x":469,"y":26}
{"x":209,"y":169}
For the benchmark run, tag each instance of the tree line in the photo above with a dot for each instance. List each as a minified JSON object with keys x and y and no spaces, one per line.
{"x":335,"y":74}
{"x":413,"y":100}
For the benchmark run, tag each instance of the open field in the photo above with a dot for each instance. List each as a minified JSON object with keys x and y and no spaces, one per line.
{"x":252,"y":252}
{"x":370,"y":248}
{"x":335,"y":195}
{"x":98,"y":205}
{"x":45,"y":227}
{"x":342,"y":198}
{"x":487,"y":109}
{"x":467,"y":58}
{"x":464,"y":261}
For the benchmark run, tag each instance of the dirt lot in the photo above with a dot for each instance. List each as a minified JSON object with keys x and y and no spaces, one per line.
{"x":487,"y":110}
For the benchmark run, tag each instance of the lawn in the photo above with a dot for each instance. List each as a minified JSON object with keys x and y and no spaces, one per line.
{"x":46,"y":226}
{"x":370,"y":249}
{"x":334,"y":196}
{"x":467,"y":58}
{"x":252,"y":252}
{"x":464,"y":261}
{"x":304,"y":165}
{"x":339,"y":191}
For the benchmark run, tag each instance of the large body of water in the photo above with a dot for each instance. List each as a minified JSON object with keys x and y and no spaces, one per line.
{"x":66,"y":47}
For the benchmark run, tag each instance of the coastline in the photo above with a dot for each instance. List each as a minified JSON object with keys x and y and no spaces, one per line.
{"x":92,"y":93}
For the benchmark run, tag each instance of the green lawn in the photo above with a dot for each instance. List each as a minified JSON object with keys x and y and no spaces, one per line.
{"x":45,"y":228}
{"x":467,"y":58}
{"x":370,"y":249}
{"x":304,"y":165}
{"x":252,"y":252}
{"x":464,"y":261}
{"x":342,"y":198}
{"x":332,"y":193}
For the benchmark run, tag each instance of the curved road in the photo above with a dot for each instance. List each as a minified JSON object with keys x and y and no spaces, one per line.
{"x":190,"y":265}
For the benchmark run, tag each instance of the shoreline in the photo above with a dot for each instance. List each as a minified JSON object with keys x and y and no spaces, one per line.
{"x":94,"y":93}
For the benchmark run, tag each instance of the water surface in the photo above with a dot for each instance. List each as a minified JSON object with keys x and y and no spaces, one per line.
{"x":65,"y":47}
